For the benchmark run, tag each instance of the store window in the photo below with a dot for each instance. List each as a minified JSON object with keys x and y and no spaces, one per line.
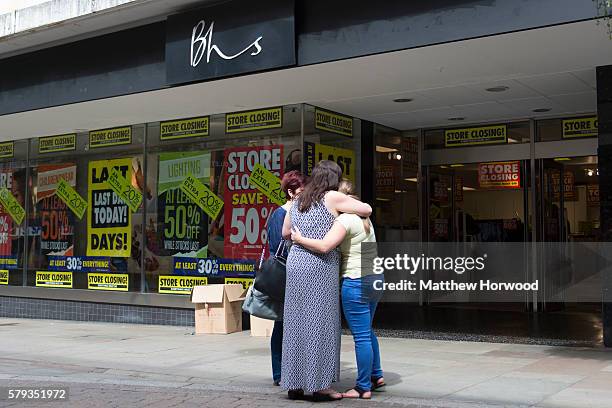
{"x":13,"y":187}
{"x":332,"y":136}
{"x":396,"y":206}
{"x":185,"y":244}
{"x":83,"y":235}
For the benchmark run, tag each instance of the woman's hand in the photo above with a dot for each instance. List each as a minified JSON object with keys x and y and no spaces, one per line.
{"x":296,"y":235}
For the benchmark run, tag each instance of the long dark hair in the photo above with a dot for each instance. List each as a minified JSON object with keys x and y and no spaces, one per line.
{"x":325,"y":177}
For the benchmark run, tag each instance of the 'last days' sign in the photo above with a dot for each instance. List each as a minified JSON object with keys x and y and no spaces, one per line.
{"x":108,"y":221}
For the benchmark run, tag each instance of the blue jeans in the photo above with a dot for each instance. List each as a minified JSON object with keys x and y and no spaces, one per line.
{"x":359,"y":302}
{"x":276,"y":347}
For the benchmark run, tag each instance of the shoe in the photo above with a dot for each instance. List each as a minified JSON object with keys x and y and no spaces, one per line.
{"x":295,"y":394}
{"x":276,"y":383}
{"x":377,"y":382}
{"x":326,"y":396}
{"x":360,"y":393}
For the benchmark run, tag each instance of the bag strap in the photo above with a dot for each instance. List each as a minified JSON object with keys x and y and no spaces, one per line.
{"x":282,"y":244}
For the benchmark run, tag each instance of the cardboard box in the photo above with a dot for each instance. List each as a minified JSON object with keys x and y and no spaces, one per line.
{"x":261,"y":327}
{"x":218,"y":308}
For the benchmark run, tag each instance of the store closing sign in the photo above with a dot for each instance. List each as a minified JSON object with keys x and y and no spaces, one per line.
{"x":271,"y":118}
{"x":60,"y":143}
{"x":109,"y":230}
{"x":345,"y":158}
{"x":476,"y":136}
{"x":580,"y":127}
{"x":246,"y":217}
{"x":7,"y":149}
{"x":499,"y":175}
{"x":333,"y":122}
{"x":108,"y":281}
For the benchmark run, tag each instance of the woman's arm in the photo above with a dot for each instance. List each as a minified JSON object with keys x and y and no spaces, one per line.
{"x":331,"y":240}
{"x":287,"y":226}
{"x":346,"y":204}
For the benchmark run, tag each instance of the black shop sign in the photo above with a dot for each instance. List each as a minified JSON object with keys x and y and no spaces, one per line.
{"x":231,"y":38}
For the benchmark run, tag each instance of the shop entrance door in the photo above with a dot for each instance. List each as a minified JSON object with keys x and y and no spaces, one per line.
{"x":484,"y":202}
{"x":568,"y":207}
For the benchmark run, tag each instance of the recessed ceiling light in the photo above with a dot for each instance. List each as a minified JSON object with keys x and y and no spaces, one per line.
{"x":403,"y":100}
{"x":498,"y":89}
{"x":542,"y":110}
{"x":456,"y":119}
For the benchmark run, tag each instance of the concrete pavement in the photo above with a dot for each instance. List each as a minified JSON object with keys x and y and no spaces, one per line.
{"x":234,"y":370}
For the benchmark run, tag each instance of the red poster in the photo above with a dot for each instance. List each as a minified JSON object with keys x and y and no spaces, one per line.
{"x":246,"y":209}
{"x":6,"y":222}
{"x":499,"y":175}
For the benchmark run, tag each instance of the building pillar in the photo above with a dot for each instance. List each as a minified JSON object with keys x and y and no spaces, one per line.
{"x":604,"y":111}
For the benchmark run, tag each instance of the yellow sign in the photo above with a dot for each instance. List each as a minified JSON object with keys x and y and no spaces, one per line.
{"x":131,"y":196}
{"x":179,"y":285}
{"x":108,"y":281}
{"x":184,"y":128}
{"x":333,"y":122}
{"x":7,"y":149}
{"x":201,"y":195}
{"x":48,"y":279}
{"x":476,"y":136}
{"x":109,"y":231}
{"x":73,"y":200}
{"x":12,"y":206}
{"x":110,"y":137}
{"x":245,"y":282}
{"x":60,"y":143}
{"x":268,"y":183}
{"x":4,"y":276}
{"x":581,"y":127}
{"x":315,"y":152}
{"x":271,"y":118}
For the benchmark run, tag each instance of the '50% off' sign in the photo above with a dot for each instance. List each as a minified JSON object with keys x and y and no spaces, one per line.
{"x":201,"y":195}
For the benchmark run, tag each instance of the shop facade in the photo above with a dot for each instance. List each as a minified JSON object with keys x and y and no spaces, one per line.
{"x":96,"y":173}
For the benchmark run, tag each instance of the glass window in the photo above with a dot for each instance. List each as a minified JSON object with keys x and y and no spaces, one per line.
{"x":396,"y":206}
{"x":13,"y":178}
{"x":183,"y":241}
{"x":329,"y":138}
{"x":98,"y":248}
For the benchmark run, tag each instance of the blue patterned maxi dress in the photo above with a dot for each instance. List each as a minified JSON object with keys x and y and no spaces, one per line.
{"x":311,"y":335}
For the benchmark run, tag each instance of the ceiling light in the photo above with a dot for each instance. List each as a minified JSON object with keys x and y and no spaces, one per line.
{"x":456,"y":119}
{"x":498,"y":89}
{"x":456,"y":165}
{"x":384,"y":149}
{"x":412,"y":179}
{"x":382,"y":199}
{"x":542,"y":110}
{"x":403,"y":100}
{"x":590,"y":172}
{"x":562,"y":159}
{"x":444,"y":167}
{"x":469,"y":189}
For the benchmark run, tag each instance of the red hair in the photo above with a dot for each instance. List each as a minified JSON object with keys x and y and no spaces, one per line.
{"x":292,"y":181}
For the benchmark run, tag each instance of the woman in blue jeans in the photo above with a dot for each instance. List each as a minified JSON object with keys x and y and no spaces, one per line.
{"x":292,"y":184}
{"x":359,"y":299}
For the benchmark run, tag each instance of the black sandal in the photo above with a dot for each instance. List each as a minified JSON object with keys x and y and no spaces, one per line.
{"x":295,"y":394}
{"x":325,"y":397}
{"x":359,"y":392}
{"x":375,"y":383}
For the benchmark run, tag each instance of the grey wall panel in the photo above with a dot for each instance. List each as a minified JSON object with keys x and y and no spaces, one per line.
{"x":332,"y":30}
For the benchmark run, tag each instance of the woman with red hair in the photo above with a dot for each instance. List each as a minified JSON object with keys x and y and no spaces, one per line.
{"x":292,"y":184}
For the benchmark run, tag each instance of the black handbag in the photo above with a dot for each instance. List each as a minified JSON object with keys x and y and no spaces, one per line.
{"x":272,"y":275}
